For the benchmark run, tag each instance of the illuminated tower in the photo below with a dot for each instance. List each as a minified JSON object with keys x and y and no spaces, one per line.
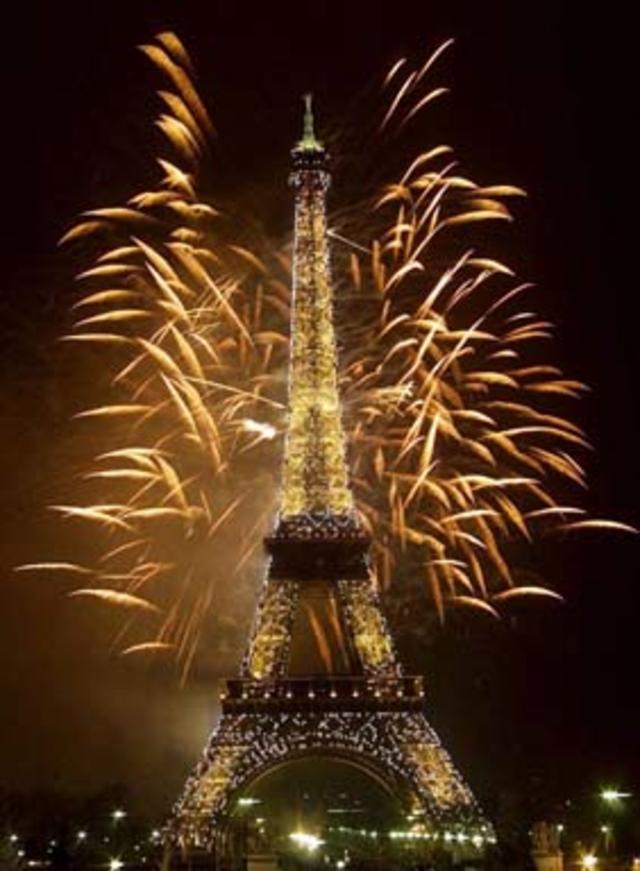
{"x":320,"y":676}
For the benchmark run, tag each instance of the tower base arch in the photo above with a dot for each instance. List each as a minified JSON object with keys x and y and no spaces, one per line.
{"x":380,"y":731}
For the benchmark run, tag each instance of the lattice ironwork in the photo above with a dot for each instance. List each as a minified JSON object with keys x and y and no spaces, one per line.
{"x":368,"y":627}
{"x":267,"y":653}
{"x":375,"y":717}
{"x":397,"y":747}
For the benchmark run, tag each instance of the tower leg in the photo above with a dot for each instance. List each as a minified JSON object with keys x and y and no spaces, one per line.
{"x":165,"y":862}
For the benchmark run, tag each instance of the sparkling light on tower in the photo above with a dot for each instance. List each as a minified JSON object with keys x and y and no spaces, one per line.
{"x":320,"y":677}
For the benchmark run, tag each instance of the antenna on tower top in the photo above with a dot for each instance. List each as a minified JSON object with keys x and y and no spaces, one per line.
{"x":309,"y":141}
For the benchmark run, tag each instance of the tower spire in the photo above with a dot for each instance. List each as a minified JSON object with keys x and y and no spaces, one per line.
{"x":315,"y":478}
{"x":309,"y":141}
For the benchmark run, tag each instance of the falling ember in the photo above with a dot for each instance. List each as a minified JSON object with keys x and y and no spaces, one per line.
{"x":124,"y":600}
{"x":54,"y":567}
{"x":263,"y":429}
{"x":599,"y":524}
{"x":147,"y":647}
{"x":458,"y":443}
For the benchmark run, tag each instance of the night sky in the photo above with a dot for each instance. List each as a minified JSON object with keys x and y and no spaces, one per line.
{"x":542,"y":98}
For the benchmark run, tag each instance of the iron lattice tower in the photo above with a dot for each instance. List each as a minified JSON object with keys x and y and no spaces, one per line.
{"x":320,"y":675}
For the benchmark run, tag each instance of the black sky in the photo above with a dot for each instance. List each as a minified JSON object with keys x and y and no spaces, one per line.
{"x":543,"y":98}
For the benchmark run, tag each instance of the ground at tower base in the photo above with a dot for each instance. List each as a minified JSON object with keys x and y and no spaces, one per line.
{"x":105,"y":831}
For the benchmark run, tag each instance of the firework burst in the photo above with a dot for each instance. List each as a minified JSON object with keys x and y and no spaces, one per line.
{"x":456,"y":446}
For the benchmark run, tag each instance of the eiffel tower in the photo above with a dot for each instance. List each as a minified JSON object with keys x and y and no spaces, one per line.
{"x":320,"y":677}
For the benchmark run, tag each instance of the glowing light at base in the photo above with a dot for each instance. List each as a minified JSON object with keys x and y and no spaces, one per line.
{"x":612,"y":796}
{"x":306,"y":840}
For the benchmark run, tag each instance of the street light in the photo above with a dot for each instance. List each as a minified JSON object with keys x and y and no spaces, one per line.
{"x":589,"y":861}
{"x":608,"y":837}
{"x":248,"y":801}
{"x":305,"y":839}
{"x":613,"y":796}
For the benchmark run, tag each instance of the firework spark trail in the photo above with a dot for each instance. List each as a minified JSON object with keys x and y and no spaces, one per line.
{"x":447,"y":406}
{"x":198,"y":361}
{"x":455,"y":446}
